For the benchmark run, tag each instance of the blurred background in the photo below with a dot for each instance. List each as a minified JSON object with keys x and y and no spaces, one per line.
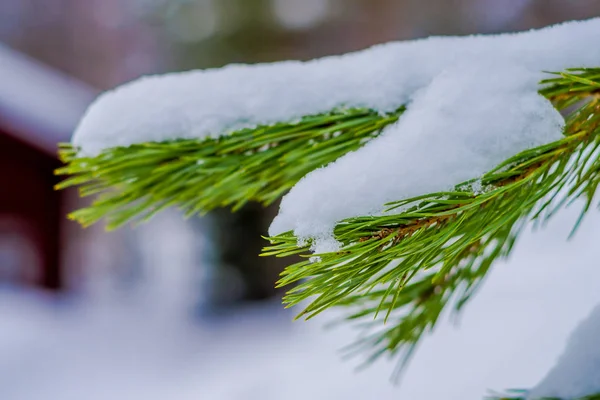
{"x":170,"y":309}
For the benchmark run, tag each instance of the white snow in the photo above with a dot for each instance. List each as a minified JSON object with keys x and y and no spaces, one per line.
{"x":577,"y":372}
{"x":217,"y":101}
{"x":479,"y":107}
{"x":468,"y":120}
{"x":143,"y":347}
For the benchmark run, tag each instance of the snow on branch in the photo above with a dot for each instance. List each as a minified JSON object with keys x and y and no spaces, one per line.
{"x":210,"y":103}
{"x":467,"y":121}
{"x":431,"y":252}
{"x":413,"y":166}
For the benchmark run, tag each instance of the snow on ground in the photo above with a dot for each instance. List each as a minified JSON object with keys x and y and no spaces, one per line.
{"x":577,"y":372}
{"x":113,"y":348}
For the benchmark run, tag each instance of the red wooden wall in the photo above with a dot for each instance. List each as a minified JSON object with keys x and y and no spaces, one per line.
{"x":30,"y":213}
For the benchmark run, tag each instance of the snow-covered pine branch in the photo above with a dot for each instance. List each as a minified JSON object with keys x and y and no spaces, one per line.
{"x":433,"y":250}
{"x":413,"y":166}
{"x":217,"y":102}
{"x":258,"y":129}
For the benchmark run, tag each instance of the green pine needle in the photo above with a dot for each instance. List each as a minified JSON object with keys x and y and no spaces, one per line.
{"x":397,"y":273}
{"x":259,"y":164}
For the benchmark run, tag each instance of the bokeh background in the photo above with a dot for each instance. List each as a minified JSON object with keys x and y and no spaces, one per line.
{"x":172,"y":309}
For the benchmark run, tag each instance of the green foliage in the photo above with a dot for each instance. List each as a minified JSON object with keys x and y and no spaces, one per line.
{"x":199,"y":175}
{"x":397,"y":273}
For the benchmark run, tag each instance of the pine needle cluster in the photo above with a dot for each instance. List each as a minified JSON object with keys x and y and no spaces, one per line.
{"x":397,"y":273}
{"x":198,"y":175}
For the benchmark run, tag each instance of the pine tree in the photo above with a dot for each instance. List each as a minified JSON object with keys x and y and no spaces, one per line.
{"x":395,"y":273}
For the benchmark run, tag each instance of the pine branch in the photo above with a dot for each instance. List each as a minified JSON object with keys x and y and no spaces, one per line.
{"x":397,"y":273}
{"x":404,"y":268}
{"x":261,"y":164}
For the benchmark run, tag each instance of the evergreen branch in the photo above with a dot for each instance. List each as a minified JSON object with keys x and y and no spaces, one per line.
{"x":398,"y":272}
{"x":249,"y":165}
{"x":404,"y":267}
{"x":199,"y":175}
